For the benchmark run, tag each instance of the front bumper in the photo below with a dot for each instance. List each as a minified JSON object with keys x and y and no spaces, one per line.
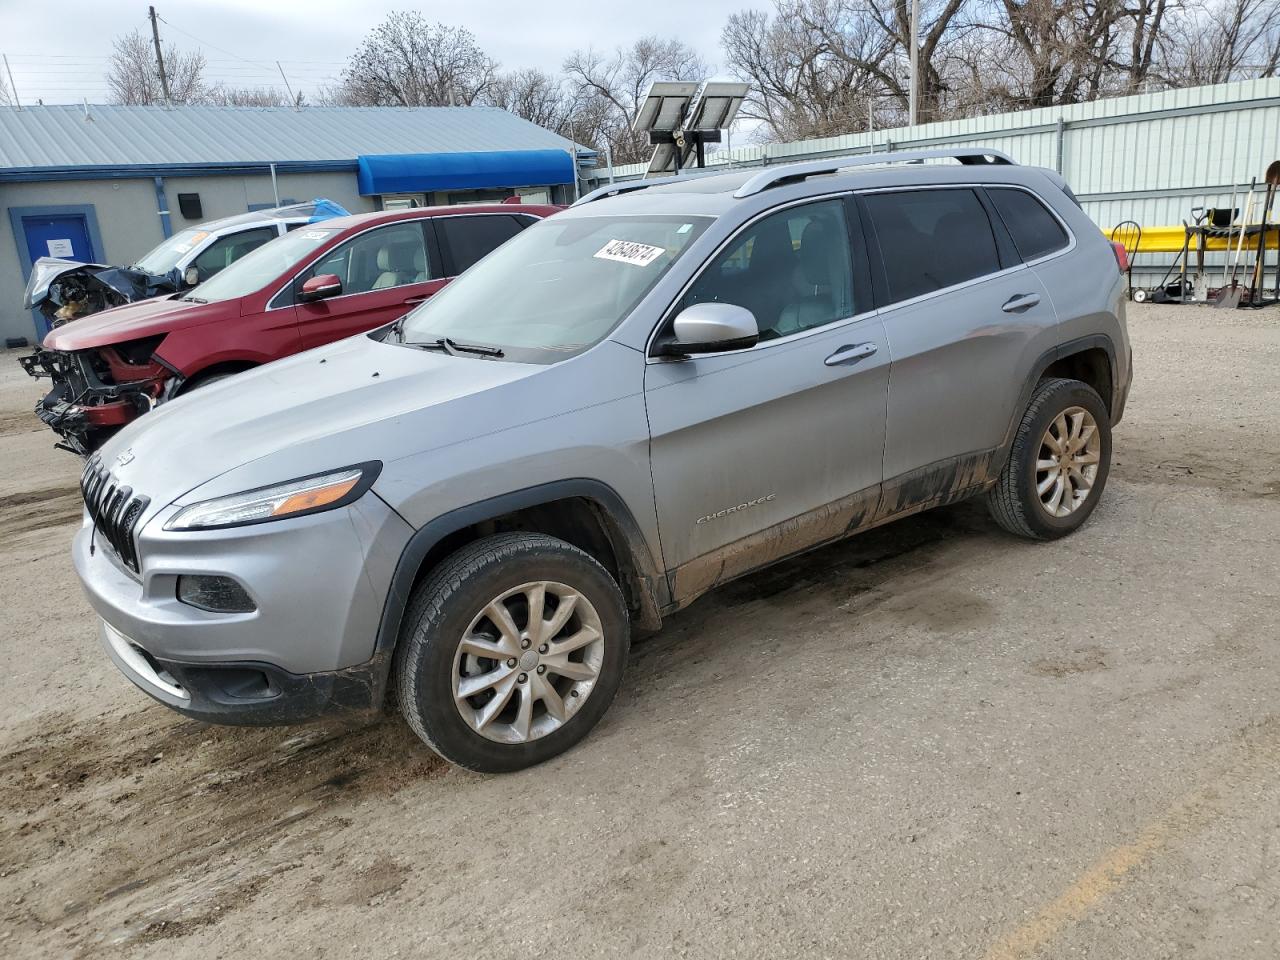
{"x":248,"y":693}
{"x":318,"y":582}
{"x":84,"y":414}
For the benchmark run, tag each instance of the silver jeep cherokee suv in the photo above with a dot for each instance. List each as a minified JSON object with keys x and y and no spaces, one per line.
{"x":665,"y":387}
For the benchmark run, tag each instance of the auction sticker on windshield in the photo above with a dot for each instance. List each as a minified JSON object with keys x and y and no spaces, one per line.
{"x":628,"y":251}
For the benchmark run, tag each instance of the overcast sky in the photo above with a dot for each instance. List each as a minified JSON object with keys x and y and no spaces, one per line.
{"x":58,"y":49}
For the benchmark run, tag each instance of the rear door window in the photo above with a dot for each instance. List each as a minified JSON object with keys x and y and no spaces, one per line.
{"x":932,"y":239}
{"x":1036,"y":232}
{"x":468,"y":239}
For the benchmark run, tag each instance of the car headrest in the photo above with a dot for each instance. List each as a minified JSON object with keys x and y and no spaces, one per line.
{"x":818,"y":252}
{"x":396,"y":258}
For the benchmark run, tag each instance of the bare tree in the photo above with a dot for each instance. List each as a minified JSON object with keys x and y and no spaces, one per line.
{"x":826,"y":66}
{"x":134,"y":78}
{"x":611,"y":86}
{"x":1048,"y":52}
{"x":1221,"y":40}
{"x":799,"y":88}
{"x":533,"y":94}
{"x":224,"y":96}
{"x":407,"y":61}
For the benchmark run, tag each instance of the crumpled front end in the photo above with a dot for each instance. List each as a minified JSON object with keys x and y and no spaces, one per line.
{"x":63,"y":290}
{"x":96,"y":392}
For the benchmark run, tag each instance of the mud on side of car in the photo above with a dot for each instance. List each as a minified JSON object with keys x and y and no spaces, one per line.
{"x":464,"y":514}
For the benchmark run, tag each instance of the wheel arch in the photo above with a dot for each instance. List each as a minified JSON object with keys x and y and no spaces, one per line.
{"x":586,"y":513}
{"x":213,"y":370}
{"x":1091,"y":359}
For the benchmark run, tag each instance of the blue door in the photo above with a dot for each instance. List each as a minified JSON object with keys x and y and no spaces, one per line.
{"x":65,"y":236}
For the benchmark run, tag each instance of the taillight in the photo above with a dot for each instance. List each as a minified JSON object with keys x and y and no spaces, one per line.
{"x":1122,"y":255}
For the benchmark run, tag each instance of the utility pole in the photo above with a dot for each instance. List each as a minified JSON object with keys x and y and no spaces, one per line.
{"x":155,"y":37}
{"x":13,"y":89}
{"x":297,"y":102}
{"x":913,"y":104}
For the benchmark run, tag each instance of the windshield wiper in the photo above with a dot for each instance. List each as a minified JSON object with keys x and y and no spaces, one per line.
{"x":453,"y":347}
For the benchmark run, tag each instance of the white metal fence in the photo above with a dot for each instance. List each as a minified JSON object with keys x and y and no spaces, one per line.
{"x":1149,"y":158}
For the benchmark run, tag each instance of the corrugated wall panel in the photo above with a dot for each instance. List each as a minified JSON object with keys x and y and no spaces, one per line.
{"x":1120,"y":147}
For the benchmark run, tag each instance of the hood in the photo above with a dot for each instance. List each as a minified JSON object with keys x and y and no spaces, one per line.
{"x":147,"y":318}
{"x":349,"y":402}
{"x":48,"y":269}
{"x":354,"y":401}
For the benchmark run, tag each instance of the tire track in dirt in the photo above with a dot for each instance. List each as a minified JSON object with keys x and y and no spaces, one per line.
{"x":29,"y":511}
{"x":147,"y":826}
{"x":15,"y":424}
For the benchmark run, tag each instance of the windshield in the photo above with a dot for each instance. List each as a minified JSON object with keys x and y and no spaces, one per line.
{"x":557,"y":288}
{"x":160,"y":260}
{"x":259,"y":267}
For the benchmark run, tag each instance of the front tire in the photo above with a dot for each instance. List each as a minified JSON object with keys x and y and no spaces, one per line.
{"x":205,"y":379}
{"x":512,"y":650}
{"x":1058,"y":465}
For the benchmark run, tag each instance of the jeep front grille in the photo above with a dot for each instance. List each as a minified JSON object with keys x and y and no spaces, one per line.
{"x":114,"y":509}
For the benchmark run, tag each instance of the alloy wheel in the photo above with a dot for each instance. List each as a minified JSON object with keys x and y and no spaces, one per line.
{"x":1067,"y":462}
{"x":528,"y":662}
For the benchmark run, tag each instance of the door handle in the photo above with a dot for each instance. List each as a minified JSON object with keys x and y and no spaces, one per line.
{"x":850,"y":353}
{"x":1020,"y":301}
{"x":412,"y":301}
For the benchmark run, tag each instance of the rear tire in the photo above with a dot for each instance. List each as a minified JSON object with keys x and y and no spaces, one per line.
{"x":541,"y":680}
{"x":1058,"y":465}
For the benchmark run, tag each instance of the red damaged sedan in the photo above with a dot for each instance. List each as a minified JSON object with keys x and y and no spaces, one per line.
{"x":319,"y":283}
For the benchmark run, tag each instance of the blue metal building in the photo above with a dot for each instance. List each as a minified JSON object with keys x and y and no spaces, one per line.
{"x":106,"y":183}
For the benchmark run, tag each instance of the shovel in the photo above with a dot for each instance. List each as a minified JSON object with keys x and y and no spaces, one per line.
{"x":1260,"y":262}
{"x":1229,"y":297}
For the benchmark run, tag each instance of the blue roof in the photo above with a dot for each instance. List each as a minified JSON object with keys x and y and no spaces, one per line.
{"x":46,"y":142}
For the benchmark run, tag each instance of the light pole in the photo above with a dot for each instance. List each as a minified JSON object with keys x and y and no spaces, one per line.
{"x":914,"y":96}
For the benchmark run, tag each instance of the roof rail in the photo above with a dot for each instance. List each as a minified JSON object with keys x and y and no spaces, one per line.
{"x":795,"y":172}
{"x":630,"y":186}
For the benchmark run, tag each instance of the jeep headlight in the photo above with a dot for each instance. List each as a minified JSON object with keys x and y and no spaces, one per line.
{"x":296,"y":498}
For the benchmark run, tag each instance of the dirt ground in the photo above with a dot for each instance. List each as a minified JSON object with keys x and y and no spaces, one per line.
{"x":931,"y":741}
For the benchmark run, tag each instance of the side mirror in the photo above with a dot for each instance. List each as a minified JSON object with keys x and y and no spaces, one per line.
{"x":320,"y":287}
{"x":192,"y":276}
{"x":710,"y":328}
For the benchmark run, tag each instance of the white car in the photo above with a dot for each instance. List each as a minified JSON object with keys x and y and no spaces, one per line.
{"x":65,"y":289}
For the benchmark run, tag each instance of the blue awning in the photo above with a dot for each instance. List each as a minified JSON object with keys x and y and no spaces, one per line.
{"x":423,"y":172}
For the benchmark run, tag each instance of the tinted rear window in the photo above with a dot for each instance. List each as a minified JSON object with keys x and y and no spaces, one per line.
{"x":1035,"y":231}
{"x":932,"y":239}
{"x":468,"y":239}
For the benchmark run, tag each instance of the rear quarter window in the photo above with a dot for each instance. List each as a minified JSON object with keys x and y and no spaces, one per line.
{"x":1036,"y":232}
